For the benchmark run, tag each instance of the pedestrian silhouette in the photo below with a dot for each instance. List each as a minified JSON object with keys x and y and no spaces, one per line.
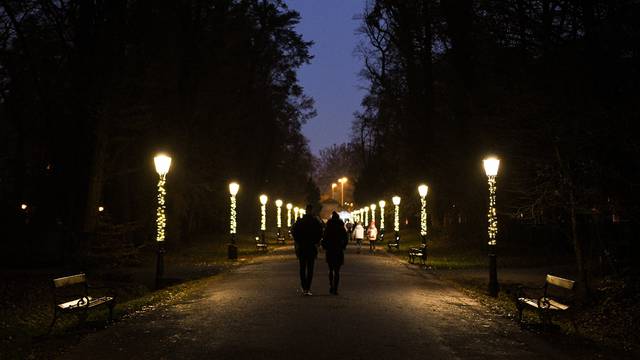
{"x":334,"y":242}
{"x":307,"y":232}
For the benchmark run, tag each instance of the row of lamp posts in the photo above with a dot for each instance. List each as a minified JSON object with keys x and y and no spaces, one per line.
{"x":491,"y":166}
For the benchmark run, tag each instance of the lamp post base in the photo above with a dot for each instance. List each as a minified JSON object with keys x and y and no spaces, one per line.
{"x":159,"y":266}
{"x":493,"y":275}
{"x":232,"y":252}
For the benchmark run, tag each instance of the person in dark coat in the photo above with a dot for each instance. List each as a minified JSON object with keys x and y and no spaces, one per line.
{"x":334,"y":242}
{"x":307,"y":232}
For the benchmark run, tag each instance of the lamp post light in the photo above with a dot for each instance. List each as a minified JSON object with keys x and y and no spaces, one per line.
{"x":289,"y":208}
{"x":396,"y":217}
{"x":263,"y":216}
{"x":232,"y":249}
{"x":162,"y":163}
{"x":382,"y":204}
{"x":491,"y":166}
{"x":342,"y":180}
{"x":333,"y":189}
{"x":373,"y":212}
{"x":279,"y":219}
{"x":366,"y":215}
{"x":296,"y":211}
{"x":422,"y":191}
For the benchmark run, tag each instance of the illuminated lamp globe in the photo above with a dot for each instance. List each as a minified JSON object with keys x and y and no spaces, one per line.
{"x":289,"y":206}
{"x":491,"y":166}
{"x":263,"y":199}
{"x":163,"y":163}
{"x":423,"y":190}
{"x":278,"y":203}
{"x":234,"y":188}
{"x":373,"y":207}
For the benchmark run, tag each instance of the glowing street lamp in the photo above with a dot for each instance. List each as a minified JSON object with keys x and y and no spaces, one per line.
{"x":162,"y":163}
{"x":382,"y":204}
{"x":289,"y":208}
{"x":373,"y":212}
{"x":422,"y":191}
{"x":333,"y":188}
{"x":232,"y":249}
{"x":279,"y":220}
{"x":296,"y":211}
{"x":491,"y":166}
{"x":366,"y":215}
{"x":263,"y":216}
{"x":342,"y":181}
{"x":396,"y":217}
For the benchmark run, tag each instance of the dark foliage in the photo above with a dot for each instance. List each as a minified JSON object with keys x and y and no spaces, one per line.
{"x":90,"y":90}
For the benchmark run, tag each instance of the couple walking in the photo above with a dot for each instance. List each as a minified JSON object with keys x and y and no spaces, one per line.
{"x":308,"y":233}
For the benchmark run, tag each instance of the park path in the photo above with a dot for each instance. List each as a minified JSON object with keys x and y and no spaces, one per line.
{"x":386,"y":310}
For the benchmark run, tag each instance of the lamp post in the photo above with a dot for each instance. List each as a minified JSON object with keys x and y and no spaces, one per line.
{"x":491,"y":166}
{"x":296,"y":211}
{"x":232,"y":249}
{"x":289,"y":208}
{"x":263,"y":216}
{"x":279,"y":219}
{"x":333,"y":188}
{"x":422,"y":191}
{"x":162,"y":163}
{"x":382,"y":204}
{"x":366,"y":215}
{"x":373,"y":212}
{"x":396,"y":217}
{"x":342,"y":180}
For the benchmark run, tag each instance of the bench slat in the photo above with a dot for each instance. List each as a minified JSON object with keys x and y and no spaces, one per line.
{"x":560,"y":282}
{"x":70,"y":280}
{"x":88,"y":302}
{"x":553,"y":304}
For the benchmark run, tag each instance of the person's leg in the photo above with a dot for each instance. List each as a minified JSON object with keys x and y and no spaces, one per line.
{"x":303,"y":273}
{"x":310,"y":263}
{"x":336,"y":279}
{"x":331,"y":286}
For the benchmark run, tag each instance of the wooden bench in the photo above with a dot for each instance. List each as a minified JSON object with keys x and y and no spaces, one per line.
{"x":418,"y":253}
{"x":260,"y":245}
{"x":395,"y":243}
{"x":71,"y":295}
{"x":544,"y":302}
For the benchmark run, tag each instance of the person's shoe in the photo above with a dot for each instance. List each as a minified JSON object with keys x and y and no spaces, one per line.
{"x":308,"y":293}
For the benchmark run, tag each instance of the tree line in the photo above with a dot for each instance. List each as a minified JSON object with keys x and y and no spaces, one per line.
{"x":90,"y":90}
{"x":550,"y":86}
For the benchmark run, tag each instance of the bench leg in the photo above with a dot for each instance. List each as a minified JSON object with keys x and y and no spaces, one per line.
{"x":55,"y":317}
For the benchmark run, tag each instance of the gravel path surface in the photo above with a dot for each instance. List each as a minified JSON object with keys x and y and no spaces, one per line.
{"x":386,"y":310}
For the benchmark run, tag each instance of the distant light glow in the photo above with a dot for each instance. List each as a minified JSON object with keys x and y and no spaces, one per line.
{"x":233,"y":224}
{"x":422,"y":191}
{"x":100,"y":208}
{"x":491,"y":166}
{"x":289,"y":208}
{"x":163,"y":163}
{"x":24,"y":206}
{"x":382,"y":204}
{"x":263,"y":212}
{"x":234,"y":188}
{"x":296,"y":211}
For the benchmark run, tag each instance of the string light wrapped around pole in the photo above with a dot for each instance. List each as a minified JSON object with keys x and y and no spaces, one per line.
{"x":491,"y":166}
{"x":162,"y":163}
{"x":373,"y":212}
{"x":263,"y":216}
{"x":366,"y":215}
{"x":396,"y":217}
{"x":422,"y":191}
{"x":289,"y":208}
{"x":232,"y":249}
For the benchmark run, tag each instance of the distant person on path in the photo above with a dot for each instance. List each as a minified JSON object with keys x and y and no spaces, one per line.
{"x":358,"y":232}
{"x":372,"y":235}
{"x":307,"y":232}
{"x":334,"y":242}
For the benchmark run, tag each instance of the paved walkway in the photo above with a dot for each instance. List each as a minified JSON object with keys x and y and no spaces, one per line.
{"x":386,"y":310}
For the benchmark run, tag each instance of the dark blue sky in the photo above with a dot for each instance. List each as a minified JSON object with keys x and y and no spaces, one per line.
{"x":332,"y":77}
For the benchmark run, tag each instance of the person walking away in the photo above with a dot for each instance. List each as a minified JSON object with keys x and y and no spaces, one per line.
{"x":349,"y":227}
{"x":334,"y":242}
{"x":359,"y":234}
{"x":307,"y":232}
{"x":372,"y":235}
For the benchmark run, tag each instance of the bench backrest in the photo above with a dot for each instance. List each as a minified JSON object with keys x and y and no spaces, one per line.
{"x":560,"y":282}
{"x":70,"y":280}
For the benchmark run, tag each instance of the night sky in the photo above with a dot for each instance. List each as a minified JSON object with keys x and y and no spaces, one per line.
{"x":332,"y":77}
